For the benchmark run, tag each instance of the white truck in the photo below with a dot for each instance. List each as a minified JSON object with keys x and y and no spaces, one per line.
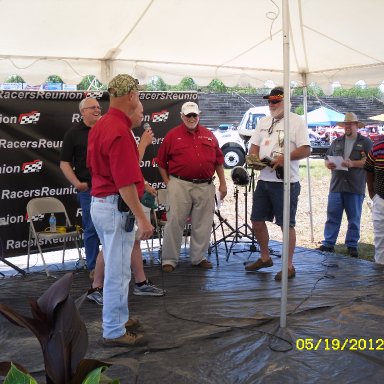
{"x":233,"y":147}
{"x":233,"y":142}
{"x":249,"y":121}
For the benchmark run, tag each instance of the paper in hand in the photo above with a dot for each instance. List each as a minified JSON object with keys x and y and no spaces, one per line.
{"x":337,"y":160}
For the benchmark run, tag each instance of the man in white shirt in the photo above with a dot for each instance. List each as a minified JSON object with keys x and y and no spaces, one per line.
{"x":267,"y":142}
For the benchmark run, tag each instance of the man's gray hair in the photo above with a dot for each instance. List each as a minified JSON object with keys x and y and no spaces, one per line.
{"x":82,"y":102}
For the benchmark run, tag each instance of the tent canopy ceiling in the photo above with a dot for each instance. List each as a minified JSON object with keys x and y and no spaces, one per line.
{"x":238,"y":42}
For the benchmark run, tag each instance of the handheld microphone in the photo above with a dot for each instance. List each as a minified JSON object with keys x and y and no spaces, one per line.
{"x":146,"y":126}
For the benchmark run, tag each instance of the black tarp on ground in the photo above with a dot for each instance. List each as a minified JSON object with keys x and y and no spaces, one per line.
{"x":222,"y":325}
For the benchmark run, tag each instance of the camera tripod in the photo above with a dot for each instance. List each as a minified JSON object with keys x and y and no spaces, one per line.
{"x":244,"y":230}
{"x":239,"y":234}
{"x":215,"y":227}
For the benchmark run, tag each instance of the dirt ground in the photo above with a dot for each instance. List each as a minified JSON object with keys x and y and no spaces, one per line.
{"x":319,"y":187}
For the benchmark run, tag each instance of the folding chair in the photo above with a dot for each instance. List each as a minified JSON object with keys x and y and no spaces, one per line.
{"x":160,"y":216}
{"x":39,"y":207}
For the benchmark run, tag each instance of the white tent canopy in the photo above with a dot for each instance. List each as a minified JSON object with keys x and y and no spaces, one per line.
{"x":239,"y":42}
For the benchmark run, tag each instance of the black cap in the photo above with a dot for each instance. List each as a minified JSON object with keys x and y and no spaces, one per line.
{"x":277,"y":93}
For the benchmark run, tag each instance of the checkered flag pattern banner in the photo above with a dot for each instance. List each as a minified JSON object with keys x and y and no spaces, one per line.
{"x":28,"y":118}
{"x":159,"y":116}
{"x":94,"y":94}
{"x":32,"y":127}
{"x":32,"y":166}
{"x":36,"y":218}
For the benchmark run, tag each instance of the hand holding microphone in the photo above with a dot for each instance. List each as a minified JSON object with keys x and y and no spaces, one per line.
{"x":147,"y":136}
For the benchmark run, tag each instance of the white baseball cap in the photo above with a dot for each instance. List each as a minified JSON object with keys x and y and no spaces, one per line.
{"x":190,"y":107}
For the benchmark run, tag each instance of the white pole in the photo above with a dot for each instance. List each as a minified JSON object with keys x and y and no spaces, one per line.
{"x":305,"y":104}
{"x":287,"y":170}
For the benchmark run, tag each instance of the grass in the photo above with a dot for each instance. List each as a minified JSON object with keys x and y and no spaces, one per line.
{"x":319,"y":187}
{"x":320,"y":179}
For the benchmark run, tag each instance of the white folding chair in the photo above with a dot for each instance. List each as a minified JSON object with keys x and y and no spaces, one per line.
{"x":39,"y":207}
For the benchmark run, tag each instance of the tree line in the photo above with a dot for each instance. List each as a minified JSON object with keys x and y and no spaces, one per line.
{"x":156,"y":83}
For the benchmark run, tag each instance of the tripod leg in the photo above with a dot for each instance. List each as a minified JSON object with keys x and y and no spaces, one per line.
{"x":215,"y":243}
{"x":15,"y":267}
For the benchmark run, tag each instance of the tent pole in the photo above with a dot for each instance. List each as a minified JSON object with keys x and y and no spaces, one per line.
{"x":305,"y":105}
{"x":287,"y":168}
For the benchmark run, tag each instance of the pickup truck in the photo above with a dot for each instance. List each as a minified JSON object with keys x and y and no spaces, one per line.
{"x":233,"y":147}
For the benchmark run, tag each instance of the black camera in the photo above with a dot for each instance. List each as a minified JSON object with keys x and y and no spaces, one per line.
{"x":130,"y":220}
{"x":267,"y":161}
{"x":279,"y":170}
{"x":121,"y":205}
{"x":129,"y":223}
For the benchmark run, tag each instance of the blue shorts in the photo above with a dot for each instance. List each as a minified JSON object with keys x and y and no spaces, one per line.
{"x":268,"y":202}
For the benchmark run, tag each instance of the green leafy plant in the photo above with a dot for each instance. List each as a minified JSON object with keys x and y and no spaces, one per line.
{"x":63,"y":337}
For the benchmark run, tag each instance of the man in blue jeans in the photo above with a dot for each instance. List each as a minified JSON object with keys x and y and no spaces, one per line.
{"x":73,"y":165}
{"x":113,"y":162}
{"x":347,"y":189}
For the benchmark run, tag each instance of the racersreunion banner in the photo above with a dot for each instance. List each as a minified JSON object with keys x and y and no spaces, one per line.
{"x":32,"y":127}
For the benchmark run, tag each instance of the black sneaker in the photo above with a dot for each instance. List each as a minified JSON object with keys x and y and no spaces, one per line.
{"x":324,"y":248}
{"x":96,"y":295}
{"x":352,"y":251}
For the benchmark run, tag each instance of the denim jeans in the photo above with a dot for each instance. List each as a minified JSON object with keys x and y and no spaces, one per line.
{"x":268,"y":202}
{"x":91,"y":239}
{"x":117,"y":248}
{"x":338,"y":202}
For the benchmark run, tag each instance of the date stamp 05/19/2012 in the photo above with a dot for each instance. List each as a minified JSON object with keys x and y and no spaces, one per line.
{"x":336,"y":344}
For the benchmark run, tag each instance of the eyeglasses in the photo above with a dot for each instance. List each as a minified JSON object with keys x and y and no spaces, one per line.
{"x":194,"y":115}
{"x":93,"y":107}
{"x":274,"y":101}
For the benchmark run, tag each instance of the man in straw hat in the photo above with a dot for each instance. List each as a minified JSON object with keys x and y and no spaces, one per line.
{"x":113,"y":162}
{"x":268,"y":142}
{"x":347,"y":189}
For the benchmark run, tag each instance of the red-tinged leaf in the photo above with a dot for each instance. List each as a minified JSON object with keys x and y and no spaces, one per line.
{"x":68,"y":344}
{"x":85,"y":367}
{"x":59,"y":328}
{"x":15,"y":375}
{"x":37,"y":327}
{"x":36,"y":311}
{"x":5,"y":366}
{"x":54,"y":295}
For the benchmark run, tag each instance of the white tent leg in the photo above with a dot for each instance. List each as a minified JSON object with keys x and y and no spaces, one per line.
{"x":287,"y":170}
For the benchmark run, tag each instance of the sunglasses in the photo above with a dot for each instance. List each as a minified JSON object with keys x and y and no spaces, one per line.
{"x":194,"y":115}
{"x":274,"y":101}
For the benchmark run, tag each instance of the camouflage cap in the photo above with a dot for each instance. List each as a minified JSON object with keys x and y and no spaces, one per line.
{"x":122,"y":84}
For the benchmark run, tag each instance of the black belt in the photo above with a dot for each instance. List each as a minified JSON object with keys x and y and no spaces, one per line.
{"x":194,"y":181}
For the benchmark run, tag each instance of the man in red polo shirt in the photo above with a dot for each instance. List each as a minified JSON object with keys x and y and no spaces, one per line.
{"x":187,"y":159}
{"x":113,"y":161}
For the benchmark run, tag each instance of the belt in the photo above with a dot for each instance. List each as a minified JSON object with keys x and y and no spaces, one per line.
{"x":194,"y":181}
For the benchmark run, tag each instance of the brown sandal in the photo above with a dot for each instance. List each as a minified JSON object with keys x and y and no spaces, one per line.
{"x":258,"y":264}
{"x":291,"y":274}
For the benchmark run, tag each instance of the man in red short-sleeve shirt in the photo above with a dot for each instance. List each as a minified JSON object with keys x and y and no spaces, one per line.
{"x":188,"y":158}
{"x":112,"y":159}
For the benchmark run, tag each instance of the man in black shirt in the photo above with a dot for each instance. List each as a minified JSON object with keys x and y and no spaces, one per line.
{"x":73,"y":164}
